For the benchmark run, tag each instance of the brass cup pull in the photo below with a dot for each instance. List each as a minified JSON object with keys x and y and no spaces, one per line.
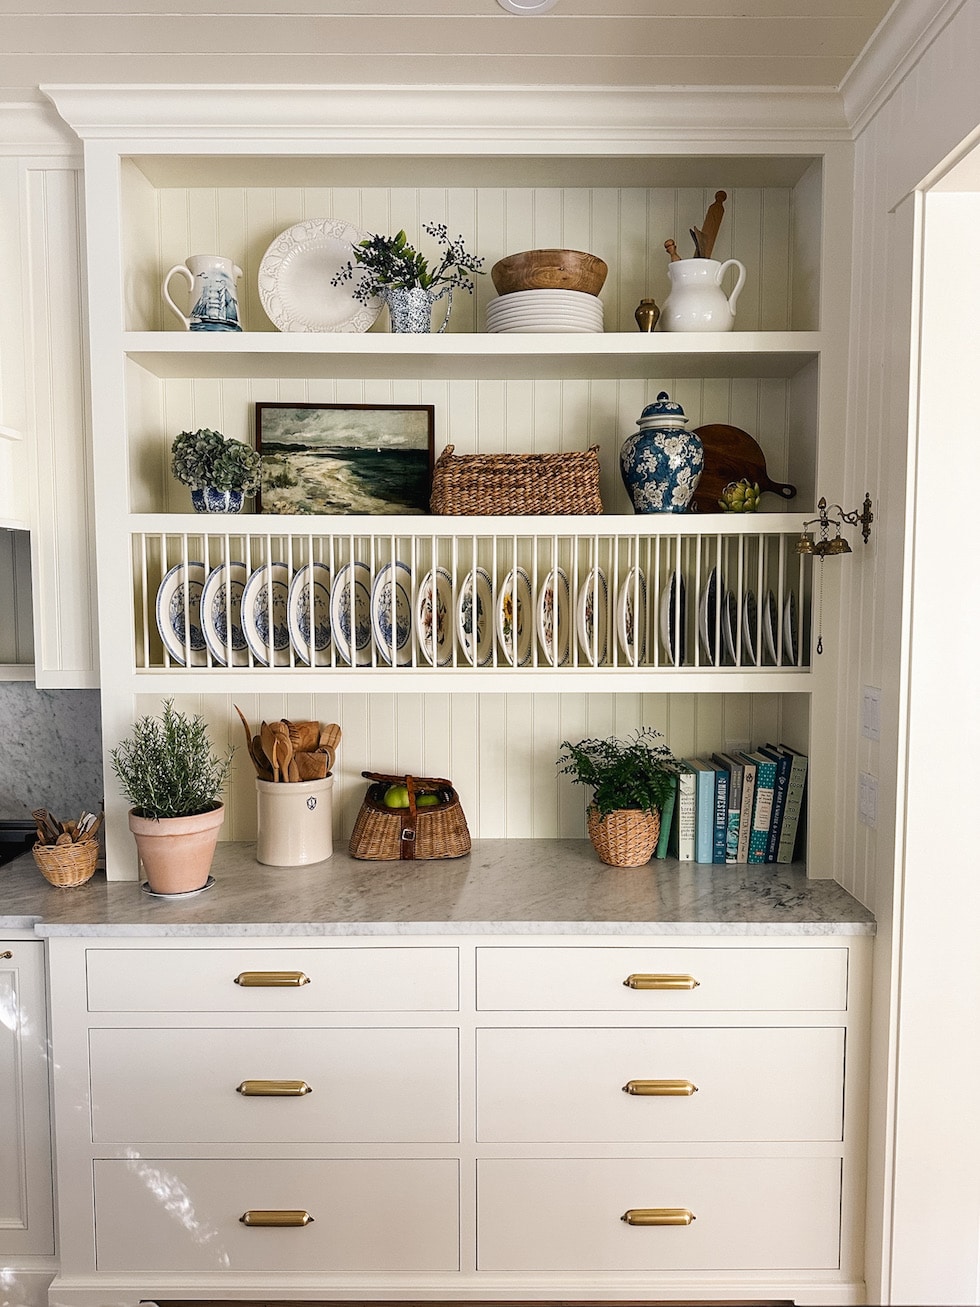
{"x":660,"y":1088}
{"x":271,"y":979}
{"x":276,"y":1219}
{"x":660,"y":982}
{"x":658,"y":1216}
{"x":274,"y":1088}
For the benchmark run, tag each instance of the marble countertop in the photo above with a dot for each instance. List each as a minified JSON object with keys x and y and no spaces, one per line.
{"x":523,"y":887}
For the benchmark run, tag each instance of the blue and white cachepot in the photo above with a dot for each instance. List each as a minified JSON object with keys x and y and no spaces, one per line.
{"x":662,"y":463}
{"x":209,"y":500}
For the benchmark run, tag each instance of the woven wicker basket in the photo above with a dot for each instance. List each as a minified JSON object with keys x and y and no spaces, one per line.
{"x":67,"y":865}
{"x":389,"y":834}
{"x":625,"y":838}
{"x":516,"y":484}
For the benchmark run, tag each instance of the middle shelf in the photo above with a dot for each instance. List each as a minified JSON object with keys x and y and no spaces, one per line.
{"x":708,"y":605}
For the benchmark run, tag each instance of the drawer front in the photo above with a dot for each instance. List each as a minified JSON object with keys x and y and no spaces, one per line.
{"x":375,"y":1215}
{"x":749,"y":1214}
{"x":311,"y":1085}
{"x":686,"y":1085}
{"x":662,"y":979}
{"x":330,"y":980}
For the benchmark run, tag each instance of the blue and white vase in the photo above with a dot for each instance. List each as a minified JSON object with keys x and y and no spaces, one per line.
{"x":662,"y":463}
{"x":210,"y":500}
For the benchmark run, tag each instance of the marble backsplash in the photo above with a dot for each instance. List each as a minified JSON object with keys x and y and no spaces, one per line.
{"x":50,"y":750}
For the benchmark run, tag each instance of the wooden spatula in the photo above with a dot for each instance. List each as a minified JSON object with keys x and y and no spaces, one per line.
{"x":329,"y":740}
{"x":708,"y":234}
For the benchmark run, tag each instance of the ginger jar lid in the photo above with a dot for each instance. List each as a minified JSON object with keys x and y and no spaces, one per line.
{"x":664,"y":413}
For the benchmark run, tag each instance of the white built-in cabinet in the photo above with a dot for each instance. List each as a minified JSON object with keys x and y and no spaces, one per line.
{"x":509,"y":171}
{"x":26,"y":1213}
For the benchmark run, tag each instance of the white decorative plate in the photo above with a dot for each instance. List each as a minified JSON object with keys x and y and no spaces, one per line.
{"x":308,"y":612}
{"x":474,"y":617}
{"x":391,"y":612}
{"x":554,"y":617}
{"x":350,"y":612}
{"x":514,"y":618}
{"x":708,"y":614}
{"x":791,"y":629}
{"x":750,"y":627}
{"x":729,"y":624}
{"x":296,"y":273}
{"x":179,"y":614}
{"x":433,"y":623}
{"x":631,"y":616}
{"x":592,"y":616}
{"x":265,"y":601}
{"x":673,"y":619}
{"x":770,"y":627}
{"x":221,"y":613}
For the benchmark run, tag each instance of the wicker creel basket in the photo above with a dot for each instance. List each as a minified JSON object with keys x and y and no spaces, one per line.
{"x":388,"y":834}
{"x":67,"y":865}
{"x":516,"y":484}
{"x":624,"y":838}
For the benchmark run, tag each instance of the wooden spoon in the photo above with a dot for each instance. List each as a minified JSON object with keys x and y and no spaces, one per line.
{"x":312,"y":766}
{"x":329,"y":739}
{"x":267,"y":738}
{"x":303,"y":736}
{"x":285,"y":748}
{"x":254,"y":746}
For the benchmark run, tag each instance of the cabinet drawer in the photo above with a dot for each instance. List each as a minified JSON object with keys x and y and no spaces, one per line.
{"x":750,"y":1085}
{"x":727,"y":980}
{"x":375,"y":1215}
{"x":750,"y":1214}
{"x":330,"y":980}
{"x":378,"y":1086}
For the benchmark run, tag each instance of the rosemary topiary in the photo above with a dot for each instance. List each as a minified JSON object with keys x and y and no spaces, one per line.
{"x":167,"y":767}
{"x":389,"y":262}
{"x":206,"y":459}
{"x":631,"y":773}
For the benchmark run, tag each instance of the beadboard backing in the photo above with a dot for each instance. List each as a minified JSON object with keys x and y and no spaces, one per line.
{"x":16,"y":627}
{"x":499,"y":750}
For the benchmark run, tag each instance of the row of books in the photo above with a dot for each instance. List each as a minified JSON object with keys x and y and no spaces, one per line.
{"x":737,"y":807}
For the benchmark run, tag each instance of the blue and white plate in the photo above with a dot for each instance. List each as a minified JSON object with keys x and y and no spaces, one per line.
{"x":350,"y":612}
{"x":433,"y":621}
{"x":515,"y":627}
{"x":708,"y":613}
{"x":179,"y":614}
{"x":221,"y":614}
{"x":631,"y":617}
{"x":264,"y":606}
{"x":729,"y":624}
{"x":554,"y":614}
{"x":308,"y":613}
{"x":791,"y":629}
{"x":474,"y":617}
{"x":391,"y":612}
{"x":750,"y":628}
{"x":592,"y":616}
{"x":673,"y":618}
{"x":770,"y":628}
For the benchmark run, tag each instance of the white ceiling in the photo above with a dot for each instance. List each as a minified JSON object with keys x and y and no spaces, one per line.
{"x":757,"y":43}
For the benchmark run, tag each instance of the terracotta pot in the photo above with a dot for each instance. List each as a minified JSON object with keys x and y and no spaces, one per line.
{"x":176,"y":852}
{"x":624,"y":838}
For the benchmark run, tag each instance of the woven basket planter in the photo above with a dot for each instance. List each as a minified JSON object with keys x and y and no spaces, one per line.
{"x":625,"y":838}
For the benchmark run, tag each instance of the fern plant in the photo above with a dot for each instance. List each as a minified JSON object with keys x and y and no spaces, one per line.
{"x":167,"y":767}
{"x":631,"y":773}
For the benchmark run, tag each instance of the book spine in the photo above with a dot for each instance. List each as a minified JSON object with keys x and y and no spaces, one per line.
{"x":719,"y":851}
{"x":705,"y":839}
{"x":762,"y":811}
{"x":735,"y":772}
{"x":685,"y":818}
{"x":780,"y":787}
{"x":794,"y":807}
{"x":666,"y":820}
{"x":745,"y":819}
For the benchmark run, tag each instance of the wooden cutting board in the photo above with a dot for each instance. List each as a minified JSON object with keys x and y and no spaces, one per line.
{"x":730,"y":454}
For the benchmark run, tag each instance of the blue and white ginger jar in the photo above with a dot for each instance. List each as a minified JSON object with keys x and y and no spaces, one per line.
{"x":662,"y":463}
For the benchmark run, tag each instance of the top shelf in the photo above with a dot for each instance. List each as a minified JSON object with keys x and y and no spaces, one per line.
{"x":505,"y":356}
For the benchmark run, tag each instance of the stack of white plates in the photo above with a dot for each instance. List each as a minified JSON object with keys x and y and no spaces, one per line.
{"x":545,"y":310}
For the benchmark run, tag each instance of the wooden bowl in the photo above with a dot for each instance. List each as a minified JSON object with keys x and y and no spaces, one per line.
{"x":549,"y":270}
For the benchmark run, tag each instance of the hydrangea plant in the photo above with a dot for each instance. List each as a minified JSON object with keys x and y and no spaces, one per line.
{"x":389,"y":262}
{"x":206,"y":459}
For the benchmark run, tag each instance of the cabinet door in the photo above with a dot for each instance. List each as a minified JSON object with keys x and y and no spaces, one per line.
{"x":26,"y":1224}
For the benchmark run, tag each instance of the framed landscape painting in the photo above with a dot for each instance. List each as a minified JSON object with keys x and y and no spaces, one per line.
{"x":345,"y":458}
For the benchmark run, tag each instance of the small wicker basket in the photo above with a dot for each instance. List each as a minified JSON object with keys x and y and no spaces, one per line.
{"x":625,"y":838}
{"x":388,"y":834}
{"x":67,"y":865}
{"x":516,"y":484}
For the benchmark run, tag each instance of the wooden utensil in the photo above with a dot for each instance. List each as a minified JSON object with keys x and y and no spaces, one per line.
{"x":285,"y":748}
{"x":712,"y":221}
{"x":303,"y":736}
{"x":329,"y":740}
{"x":47,"y":823}
{"x":254,"y":745}
{"x":671,"y":248}
{"x":730,"y":454}
{"x":698,"y":238}
{"x":312,"y":766}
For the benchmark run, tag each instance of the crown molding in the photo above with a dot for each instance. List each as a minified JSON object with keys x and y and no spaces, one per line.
{"x":480,"y":116}
{"x":32,"y":127}
{"x":896,"y":45}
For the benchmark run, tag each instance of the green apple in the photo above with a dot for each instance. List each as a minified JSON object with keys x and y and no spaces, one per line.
{"x":427,"y":801}
{"x":396,"y":796}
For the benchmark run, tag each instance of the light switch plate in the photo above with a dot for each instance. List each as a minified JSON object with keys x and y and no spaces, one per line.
{"x":868,"y":800}
{"x":871,"y":713}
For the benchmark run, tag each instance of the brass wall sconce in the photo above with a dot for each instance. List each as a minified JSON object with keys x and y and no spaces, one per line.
{"x":830,"y":546}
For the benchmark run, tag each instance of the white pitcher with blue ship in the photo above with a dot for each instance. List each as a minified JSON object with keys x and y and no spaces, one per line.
{"x":212,"y":282}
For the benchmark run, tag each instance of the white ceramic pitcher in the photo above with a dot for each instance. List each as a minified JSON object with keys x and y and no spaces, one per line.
{"x":213,"y":293}
{"x":696,"y":301}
